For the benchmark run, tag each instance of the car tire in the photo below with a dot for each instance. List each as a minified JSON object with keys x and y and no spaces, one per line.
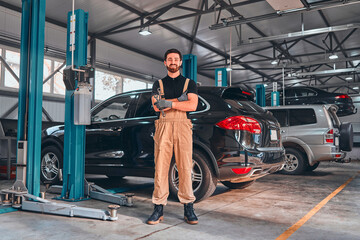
{"x":295,"y":162}
{"x":240,"y":185}
{"x":313,"y":167}
{"x":51,"y":163}
{"x":205,"y":183}
{"x":346,"y":137}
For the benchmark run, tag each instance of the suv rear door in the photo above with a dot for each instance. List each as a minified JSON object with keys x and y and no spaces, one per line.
{"x":282,"y":116}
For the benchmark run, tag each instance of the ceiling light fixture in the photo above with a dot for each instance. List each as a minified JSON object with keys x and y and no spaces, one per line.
{"x":228,"y":69}
{"x":145,"y":31}
{"x":348,"y":78}
{"x":333,"y":56}
{"x":355,"y":88}
{"x":274,"y":62}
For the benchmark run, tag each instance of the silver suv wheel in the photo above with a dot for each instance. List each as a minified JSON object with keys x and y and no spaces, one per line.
{"x":50,"y":166}
{"x":291,"y":162}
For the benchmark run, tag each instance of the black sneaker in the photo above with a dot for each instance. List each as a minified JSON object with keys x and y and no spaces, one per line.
{"x":189,"y":214}
{"x":157,"y":215}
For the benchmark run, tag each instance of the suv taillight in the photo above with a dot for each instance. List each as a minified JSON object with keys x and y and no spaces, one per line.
{"x":240,"y":123}
{"x":329,"y":136}
{"x":343,"y":96}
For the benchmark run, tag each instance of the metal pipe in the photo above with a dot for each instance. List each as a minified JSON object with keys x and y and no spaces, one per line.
{"x":230,"y":58}
{"x":282,"y":13}
{"x":283,"y":78}
{"x":73,"y":36}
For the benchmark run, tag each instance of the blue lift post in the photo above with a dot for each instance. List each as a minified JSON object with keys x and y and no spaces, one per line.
{"x":275,"y":99}
{"x":275,"y":95}
{"x":260,"y":95}
{"x":29,"y":124}
{"x":190,"y":66}
{"x":74,"y":138}
{"x":220,"y":77}
{"x":31,"y":91}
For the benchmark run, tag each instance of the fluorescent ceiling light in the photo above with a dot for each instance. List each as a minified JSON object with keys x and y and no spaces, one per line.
{"x":355,"y":87}
{"x":228,"y":69}
{"x":348,"y":78}
{"x":275,"y":61}
{"x":333,"y":56}
{"x":265,"y":85}
{"x":144,"y":31}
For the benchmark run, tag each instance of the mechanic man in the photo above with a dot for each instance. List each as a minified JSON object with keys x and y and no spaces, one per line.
{"x":173,"y":134}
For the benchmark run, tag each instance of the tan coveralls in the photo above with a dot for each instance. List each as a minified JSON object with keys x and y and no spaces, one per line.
{"x":173,"y":133}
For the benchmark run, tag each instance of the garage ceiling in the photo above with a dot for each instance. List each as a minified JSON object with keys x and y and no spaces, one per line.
{"x":204,"y":27}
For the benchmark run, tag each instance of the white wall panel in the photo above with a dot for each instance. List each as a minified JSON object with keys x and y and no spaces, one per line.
{"x":55,"y":109}
{"x":6,"y":103}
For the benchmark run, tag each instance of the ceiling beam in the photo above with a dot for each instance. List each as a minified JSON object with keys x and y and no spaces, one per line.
{"x":313,"y":7}
{"x":197,"y":41}
{"x":333,"y":34}
{"x":196,"y":26}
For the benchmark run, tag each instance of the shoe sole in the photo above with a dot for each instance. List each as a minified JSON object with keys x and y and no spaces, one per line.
{"x":155,"y":222}
{"x":191,"y":222}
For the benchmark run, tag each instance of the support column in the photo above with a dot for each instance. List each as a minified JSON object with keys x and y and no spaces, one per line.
{"x":260,"y":95}
{"x":31,"y":87}
{"x":93,"y":64}
{"x":220,"y":77}
{"x":190,"y":66}
{"x":74,"y":138}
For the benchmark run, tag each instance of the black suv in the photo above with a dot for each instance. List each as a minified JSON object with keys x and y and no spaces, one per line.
{"x":235,"y":141}
{"x":311,"y":95}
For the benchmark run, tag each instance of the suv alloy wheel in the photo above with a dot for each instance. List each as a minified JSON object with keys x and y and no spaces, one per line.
{"x":204,"y":181}
{"x":51,"y":163}
{"x":295,"y":162}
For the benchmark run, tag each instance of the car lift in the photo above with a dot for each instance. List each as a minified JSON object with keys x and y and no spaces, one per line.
{"x":26,"y":189}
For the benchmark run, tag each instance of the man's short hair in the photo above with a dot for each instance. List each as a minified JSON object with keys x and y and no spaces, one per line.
{"x":173,"y":50}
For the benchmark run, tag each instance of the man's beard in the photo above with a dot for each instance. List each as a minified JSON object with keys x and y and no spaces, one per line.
{"x":173,"y":69}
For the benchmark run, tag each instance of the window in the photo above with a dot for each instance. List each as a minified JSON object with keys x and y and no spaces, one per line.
{"x":301,"y":116}
{"x":114,"y":109}
{"x":245,"y":105}
{"x":289,"y":93}
{"x":280,"y":115}
{"x":107,"y":85}
{"x":13,"y":60}
{"x":47,"y":72}
{"x":304,"y":92}
{"x":59,"y":86}
{"x":201,"y":105}
{"x":131,"y":84}
{"x":144,"y":107}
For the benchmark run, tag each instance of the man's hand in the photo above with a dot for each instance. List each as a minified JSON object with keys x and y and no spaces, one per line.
{"x":162,"y":104}
{"x":183,"y":97}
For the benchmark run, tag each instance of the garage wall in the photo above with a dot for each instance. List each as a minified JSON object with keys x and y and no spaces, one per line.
{"x":55,"y":109}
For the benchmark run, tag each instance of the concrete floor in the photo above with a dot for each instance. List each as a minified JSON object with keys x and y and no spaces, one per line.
{"x":263,"y":211}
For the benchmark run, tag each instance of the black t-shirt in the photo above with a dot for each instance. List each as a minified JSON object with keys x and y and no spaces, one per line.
{"x":173,"y":87}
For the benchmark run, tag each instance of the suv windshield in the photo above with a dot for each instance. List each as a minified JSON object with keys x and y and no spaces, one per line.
{"x":245,"y":105}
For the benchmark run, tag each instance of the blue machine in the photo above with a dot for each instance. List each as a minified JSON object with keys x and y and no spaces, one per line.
{"x":190,"y":66}
{"x":220,"y":77}
{"x":260,"y":95}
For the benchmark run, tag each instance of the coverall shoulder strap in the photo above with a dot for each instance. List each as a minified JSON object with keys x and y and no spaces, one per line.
{"x":162,"y":94}
{"x":186,"y":85}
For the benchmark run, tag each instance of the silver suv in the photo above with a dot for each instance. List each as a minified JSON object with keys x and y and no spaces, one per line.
{"x":311,"y":134}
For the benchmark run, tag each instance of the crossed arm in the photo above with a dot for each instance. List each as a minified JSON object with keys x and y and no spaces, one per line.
{"x":186,"y":106}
